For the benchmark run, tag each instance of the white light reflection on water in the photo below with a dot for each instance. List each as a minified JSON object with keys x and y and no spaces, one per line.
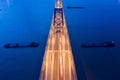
{"x":119,"y":1}
{"x":8,"y":3}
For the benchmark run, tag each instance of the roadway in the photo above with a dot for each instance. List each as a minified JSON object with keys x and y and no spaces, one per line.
{"x":58,"y":62}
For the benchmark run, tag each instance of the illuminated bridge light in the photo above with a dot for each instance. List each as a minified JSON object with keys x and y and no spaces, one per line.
{"x":58,"y":62}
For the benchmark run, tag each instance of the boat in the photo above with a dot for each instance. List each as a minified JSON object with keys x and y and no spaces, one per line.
{"x":21,"y":45}
{"x":77,"y":7}
{"x":103,"y":44}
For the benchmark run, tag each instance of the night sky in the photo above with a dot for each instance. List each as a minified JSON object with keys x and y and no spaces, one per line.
{"x":29,"y":20}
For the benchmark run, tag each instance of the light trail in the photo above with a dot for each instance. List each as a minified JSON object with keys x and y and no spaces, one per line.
{"x":58,"y":62}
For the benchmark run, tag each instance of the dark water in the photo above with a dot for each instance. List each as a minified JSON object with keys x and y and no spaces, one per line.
{"x":30,"y":20}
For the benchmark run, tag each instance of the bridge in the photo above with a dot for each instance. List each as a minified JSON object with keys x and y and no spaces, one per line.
{"x":58,"y":62}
